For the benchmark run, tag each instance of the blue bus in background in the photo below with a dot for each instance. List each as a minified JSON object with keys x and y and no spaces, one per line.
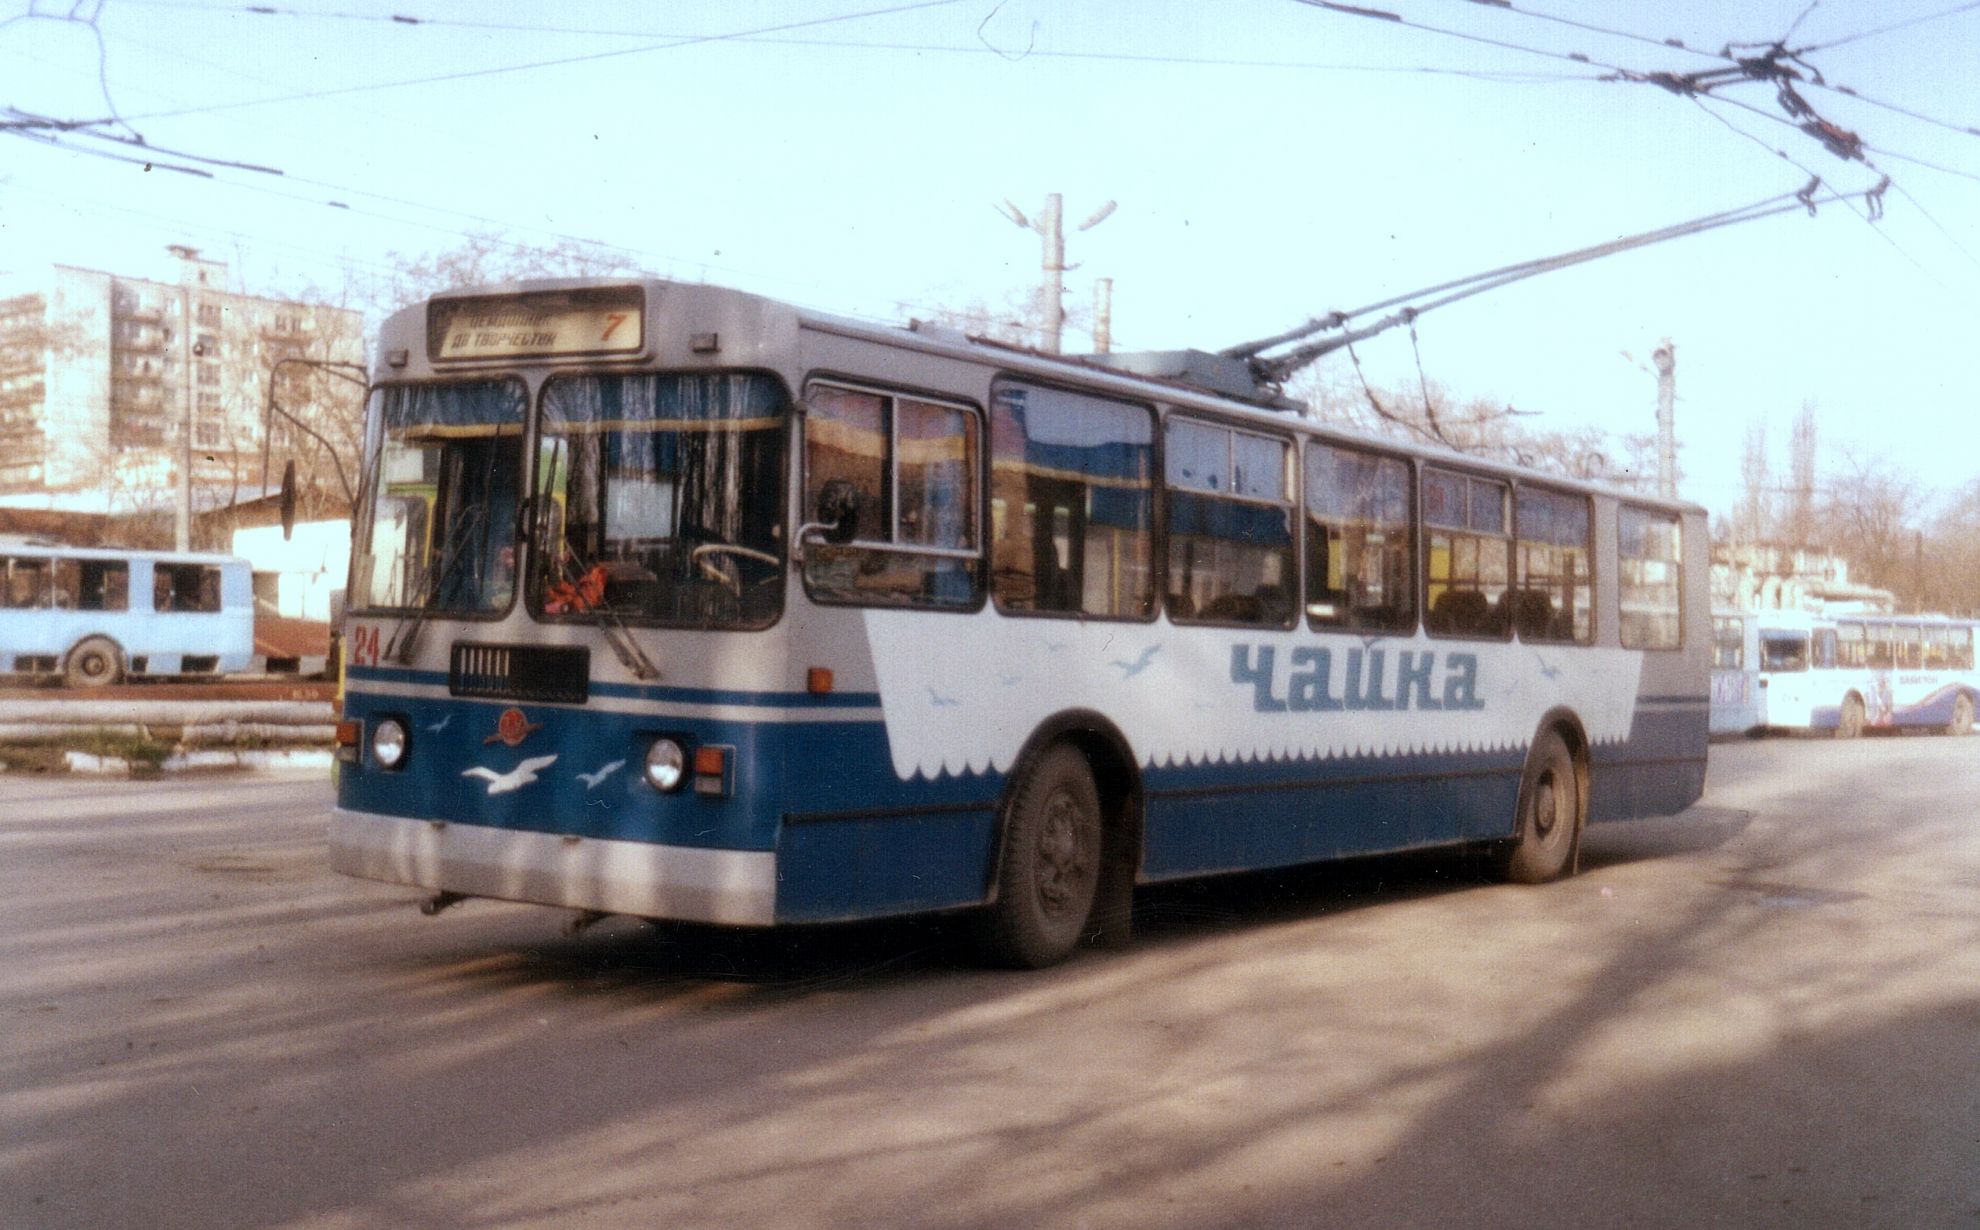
{"x":92,"y":616}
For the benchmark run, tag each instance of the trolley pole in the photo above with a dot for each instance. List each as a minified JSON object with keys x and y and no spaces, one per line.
{"x":1665,"y":357}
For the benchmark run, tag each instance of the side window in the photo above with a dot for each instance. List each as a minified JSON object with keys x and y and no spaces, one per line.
{"x":1072,"y":503}
{"x":1852,"y":646}
{"x":1647,"y":578}
{"x":1230,"y":526}
{"x":1823,"y":648}
{"x":94,"y":584}
{"x":1555,"y":599}
{"x":1360,"y":547}
{"x":27,"y":583}
{"x":1728,"y":643}
{"x":894,"y":478}
{"x":1470,"y":554}
{"x":185,"y":587}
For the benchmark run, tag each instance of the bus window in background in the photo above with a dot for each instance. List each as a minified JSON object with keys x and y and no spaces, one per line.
{"x":1728,"y":643}
{"x":1783,"y":651}
{"x":27,"y":584}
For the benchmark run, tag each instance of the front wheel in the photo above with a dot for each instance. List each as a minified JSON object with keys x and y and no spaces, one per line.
{"x":1850,"y":725}
{"x":1962,"y":718}
{"x":1549,"y":815}
{"x":1050,"y":866}
{"x":95,"y":663}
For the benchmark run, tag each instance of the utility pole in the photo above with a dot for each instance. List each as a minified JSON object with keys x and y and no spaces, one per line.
{"x":1050,"y":226}
{"x":1103,"y":315}
{"x":1665,"y":357}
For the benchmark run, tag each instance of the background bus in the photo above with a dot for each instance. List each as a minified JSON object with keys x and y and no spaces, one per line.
{"x":672,"y":601}
{"x":1849,"y":674}
{"x":93,"y":616}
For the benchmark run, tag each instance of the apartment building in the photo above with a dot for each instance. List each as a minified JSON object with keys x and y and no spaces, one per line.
{"x":110,"y":386}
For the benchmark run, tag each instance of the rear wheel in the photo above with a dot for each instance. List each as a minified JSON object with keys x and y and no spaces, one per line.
{"x":1850,"y":725}
{"x":1962,"y":718}
{"x":1550,"y":815}
{"x":94,"y":663}
{"x":1050,"y":865}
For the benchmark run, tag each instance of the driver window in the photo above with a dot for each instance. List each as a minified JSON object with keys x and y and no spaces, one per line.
{"x":890,"y":491}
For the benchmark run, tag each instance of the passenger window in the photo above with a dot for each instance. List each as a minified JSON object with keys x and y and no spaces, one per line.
{"x":1647,"y":576}
{"x":1470,"y":554}
{"x":892,"y":481}
{"x":27,"y":584}
{"x":1360,"y":548}
{"x":1728,"y":643}
{"x":185,"y":587}
{"x":1555,"y":598}
{"x":1072,"y":503}
{"x":1230,"y":526}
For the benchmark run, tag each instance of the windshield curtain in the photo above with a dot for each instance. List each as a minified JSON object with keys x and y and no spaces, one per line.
{"x":445,"y":474}
{"x":662,"y":500}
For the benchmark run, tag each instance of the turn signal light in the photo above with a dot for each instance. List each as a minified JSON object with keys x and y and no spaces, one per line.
{"x":818,"y":680}
{"x":350,"y":737}
{"x":711,"y":770}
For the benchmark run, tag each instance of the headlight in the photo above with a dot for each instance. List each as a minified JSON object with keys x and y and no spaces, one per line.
{"x":666,"y":765}
{"x":388,"y":743}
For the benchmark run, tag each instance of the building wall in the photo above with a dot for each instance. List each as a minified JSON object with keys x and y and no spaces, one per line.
{"x":99,"y":389}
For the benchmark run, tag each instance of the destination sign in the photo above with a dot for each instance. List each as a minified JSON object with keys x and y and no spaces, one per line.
{"x":603,"y":321}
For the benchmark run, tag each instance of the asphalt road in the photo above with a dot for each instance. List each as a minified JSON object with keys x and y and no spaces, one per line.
{"x":1765,"y":1012}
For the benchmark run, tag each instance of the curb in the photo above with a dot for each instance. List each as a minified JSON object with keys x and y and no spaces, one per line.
{"x":205,"y":760}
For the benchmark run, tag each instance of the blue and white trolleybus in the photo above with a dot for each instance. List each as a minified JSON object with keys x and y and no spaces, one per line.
{"x":677,"y":602}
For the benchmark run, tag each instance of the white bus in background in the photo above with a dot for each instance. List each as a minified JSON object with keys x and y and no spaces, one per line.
{"x":1786,"y":670}
{"x":92,"y":616}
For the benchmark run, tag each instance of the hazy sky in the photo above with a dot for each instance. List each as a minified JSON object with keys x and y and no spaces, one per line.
{"x":1272,"y":160}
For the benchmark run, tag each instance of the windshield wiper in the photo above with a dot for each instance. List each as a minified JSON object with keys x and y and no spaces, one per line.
{"x":624,"y":645}
{"x":436,"y":573}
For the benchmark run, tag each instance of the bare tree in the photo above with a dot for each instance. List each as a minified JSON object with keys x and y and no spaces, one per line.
{"x":484,"y":257}
{"x":1869,"y":516}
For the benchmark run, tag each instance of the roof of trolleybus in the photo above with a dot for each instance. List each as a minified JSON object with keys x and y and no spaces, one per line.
{"x":698,"y":342}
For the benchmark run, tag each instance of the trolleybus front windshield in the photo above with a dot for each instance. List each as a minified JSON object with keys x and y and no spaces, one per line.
{"x":661,"y":499}
{"x":446,"y":477}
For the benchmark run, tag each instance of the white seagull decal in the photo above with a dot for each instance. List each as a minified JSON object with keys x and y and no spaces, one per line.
{"x":441,"y":725}
{"x":515,"y":779}
{"x":593,"y":779}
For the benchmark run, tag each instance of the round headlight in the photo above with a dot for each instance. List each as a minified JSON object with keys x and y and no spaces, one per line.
{"x":666,"y":764}
{"x":388,"y":743}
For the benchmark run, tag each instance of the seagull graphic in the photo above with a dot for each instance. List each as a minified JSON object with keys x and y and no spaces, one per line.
{"x":515,"y":779}
{"x":1009,"y":681}
{"x":441,"y":725}
{"x":593,"y":779}
{"x":1130,"y":669}
{"x":1551,"y":672}
{"x":940,"y":701}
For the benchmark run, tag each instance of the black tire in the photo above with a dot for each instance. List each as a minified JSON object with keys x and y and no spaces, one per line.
{"x":1962,"y":718}
{"x":95,"y":662}
{"x":1050,"y":864}
{"x":1850,"y":724}
{"x":1551,"y":810}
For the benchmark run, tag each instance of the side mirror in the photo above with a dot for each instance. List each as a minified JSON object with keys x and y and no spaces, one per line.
{"x":288,"y":499}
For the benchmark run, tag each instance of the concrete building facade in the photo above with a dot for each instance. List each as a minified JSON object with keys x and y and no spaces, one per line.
{"x":112,"y":387}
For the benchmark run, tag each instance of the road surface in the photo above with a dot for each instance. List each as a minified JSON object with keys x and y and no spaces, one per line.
{"x":1765,"y":1012}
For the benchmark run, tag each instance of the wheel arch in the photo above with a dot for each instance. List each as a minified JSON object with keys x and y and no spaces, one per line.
{"x":1116,"y":776}
{"x":1566,"y":723}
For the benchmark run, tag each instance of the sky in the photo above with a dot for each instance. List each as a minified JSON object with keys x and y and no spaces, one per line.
{"x":1272,"y":160}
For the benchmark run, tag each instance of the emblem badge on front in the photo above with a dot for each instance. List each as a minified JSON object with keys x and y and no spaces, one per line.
{"x":512,"y":728}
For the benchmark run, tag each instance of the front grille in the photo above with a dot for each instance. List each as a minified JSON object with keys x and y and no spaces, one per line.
{"x":520,"y":672}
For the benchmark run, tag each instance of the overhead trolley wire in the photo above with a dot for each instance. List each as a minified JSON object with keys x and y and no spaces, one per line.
{"x":498,"y":70}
